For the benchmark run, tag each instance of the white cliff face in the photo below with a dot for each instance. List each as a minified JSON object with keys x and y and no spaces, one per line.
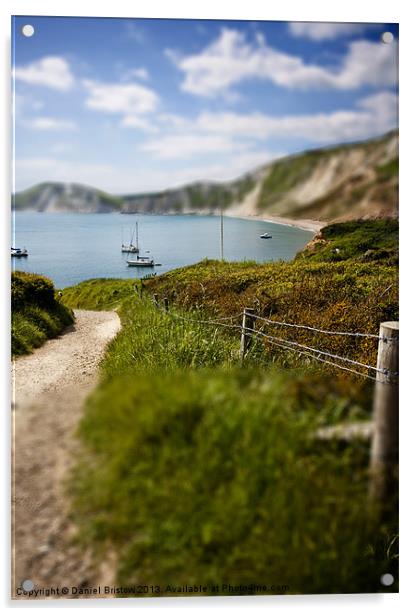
{"x":336,"y":183}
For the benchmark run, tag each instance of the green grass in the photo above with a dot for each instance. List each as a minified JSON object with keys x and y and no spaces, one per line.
{"x":195,"y":470}
{"x":100,"y":293}
{"x":363,"y":241}
{"x":201,"y":477}
{"x":36,"y":314}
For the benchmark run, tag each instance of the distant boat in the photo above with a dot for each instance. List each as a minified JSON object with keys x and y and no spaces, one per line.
{"x":137,"y":261}
{"x":132,"y":248}
{"x":266,"y":236}
{"x":18,"y":252}
{"x":141,"y":262}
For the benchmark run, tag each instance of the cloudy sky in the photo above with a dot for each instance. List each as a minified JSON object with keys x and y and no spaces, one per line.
{"x":135,"y":105}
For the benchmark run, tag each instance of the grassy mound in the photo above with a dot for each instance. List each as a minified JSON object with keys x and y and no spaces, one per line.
{"x":36,"y":314}
{"x":363,"y":241}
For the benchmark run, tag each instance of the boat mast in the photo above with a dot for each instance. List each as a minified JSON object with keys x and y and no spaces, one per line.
{"x":222,"y":237}
{"x":137,"y":235}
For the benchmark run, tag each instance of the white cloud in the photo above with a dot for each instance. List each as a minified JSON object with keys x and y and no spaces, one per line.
{"x":320,"y":31}
{"x":30,"y":171}
{"x":214,"y":172}
{"x":140,"y":73}
{"x":143,"y":124}
{"x":213,"y":133}
{"x":45,"y":123}
{"x":231,"y":59}
{"x":51,"y":71}
{"x":183,"y":146}
{"x":128,"y":98}
{"x":373,"y":115}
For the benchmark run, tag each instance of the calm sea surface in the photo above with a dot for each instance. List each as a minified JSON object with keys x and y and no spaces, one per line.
{"x":70,"y":248}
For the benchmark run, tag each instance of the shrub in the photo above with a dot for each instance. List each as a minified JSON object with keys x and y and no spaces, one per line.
{"x":36,"y":314}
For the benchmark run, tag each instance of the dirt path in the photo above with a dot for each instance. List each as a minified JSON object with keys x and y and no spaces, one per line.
{"x":50,"y":388}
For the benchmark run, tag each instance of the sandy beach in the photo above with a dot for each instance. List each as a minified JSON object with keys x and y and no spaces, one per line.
{"x":308,"y":225}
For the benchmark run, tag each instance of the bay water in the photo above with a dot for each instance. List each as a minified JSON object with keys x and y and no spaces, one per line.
{"x":69,"y":248}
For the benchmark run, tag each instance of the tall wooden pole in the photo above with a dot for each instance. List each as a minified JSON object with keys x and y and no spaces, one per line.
{"x":222,"y":236}
{"x":385,"y":443}
{"x":246,"y":335}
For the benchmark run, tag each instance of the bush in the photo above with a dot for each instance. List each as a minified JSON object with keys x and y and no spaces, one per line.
{"x":32,"y":289}
{"x":36,"y":314}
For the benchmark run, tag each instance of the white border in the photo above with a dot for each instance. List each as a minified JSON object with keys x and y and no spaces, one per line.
{"x":302,"y":10}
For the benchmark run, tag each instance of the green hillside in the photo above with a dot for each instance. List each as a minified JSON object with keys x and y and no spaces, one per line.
{"x":342,"y":182}
{"x":196,"y":470}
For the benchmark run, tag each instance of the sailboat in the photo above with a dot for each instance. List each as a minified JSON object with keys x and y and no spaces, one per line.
{"x":138,"y":261}
{"x":18,"y":252}
{"x":141,"y":261}
{"x":131,"y":247}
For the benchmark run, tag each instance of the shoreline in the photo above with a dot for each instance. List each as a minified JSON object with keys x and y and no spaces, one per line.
{"x":314,"y":226}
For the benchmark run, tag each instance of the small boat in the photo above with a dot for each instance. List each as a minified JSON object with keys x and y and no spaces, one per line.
{"x":18,"y":252}
{"x":141,"y":262}
{"x":132,"y":248}
{"x":266,"y":236}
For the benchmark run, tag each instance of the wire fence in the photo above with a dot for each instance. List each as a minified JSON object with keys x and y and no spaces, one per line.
{"x":249,"y":332}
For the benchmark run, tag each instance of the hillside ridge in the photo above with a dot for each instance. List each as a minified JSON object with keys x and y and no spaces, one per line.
{"x":331,"y":184}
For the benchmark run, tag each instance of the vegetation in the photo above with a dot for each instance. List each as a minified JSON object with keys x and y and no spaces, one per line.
{"x":351,"y":290}
{"x":36,"y":313}
{"x":364,"y":241}
{"x":388,"y":170}
{"x":197,"y":471}
{"x":203,"y":477}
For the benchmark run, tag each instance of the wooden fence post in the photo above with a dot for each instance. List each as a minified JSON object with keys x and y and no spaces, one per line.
{"x":246,"y":335}
{"x":166,"y":304}
{"x":156,"y":300}
{"x":385,"y":442}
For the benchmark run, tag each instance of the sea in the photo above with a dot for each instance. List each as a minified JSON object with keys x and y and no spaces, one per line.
{"x":69,"y":248}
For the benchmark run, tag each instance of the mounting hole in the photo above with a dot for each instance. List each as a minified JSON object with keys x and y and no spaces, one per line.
{"x":387,"y":38}
{"x":28,"y":30}
{"x":387,"y":579}
{"x":28,"y":585}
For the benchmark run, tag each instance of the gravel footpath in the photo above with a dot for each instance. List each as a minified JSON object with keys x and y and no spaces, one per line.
{"x":50,"y":387}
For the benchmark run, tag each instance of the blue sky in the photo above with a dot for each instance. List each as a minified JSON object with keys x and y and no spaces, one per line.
{"x":131,"y":105}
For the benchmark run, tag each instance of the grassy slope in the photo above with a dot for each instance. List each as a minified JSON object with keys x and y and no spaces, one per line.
{"x":202,"y":476}
{"x":36,"y":314}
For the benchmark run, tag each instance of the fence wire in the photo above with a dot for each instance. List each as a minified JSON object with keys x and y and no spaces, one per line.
{"x":308,"y":348}
{"x":290,"y":345}
{"x":315,"y":329}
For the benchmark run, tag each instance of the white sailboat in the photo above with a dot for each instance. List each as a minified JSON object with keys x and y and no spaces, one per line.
{"x":138,"y":260}
{"x":18,"y":252}
{"x":131,"y":248}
